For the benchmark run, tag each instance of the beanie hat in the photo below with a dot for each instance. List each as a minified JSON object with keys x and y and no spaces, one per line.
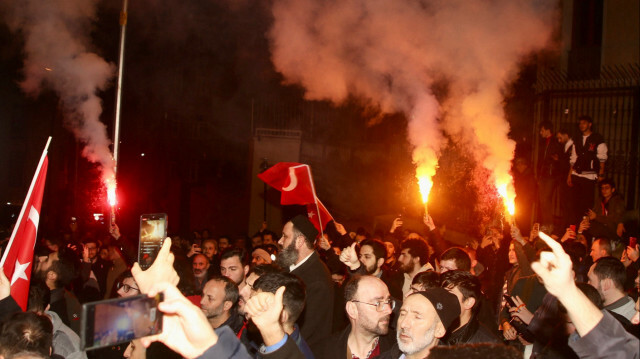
{"x":445,"y":303}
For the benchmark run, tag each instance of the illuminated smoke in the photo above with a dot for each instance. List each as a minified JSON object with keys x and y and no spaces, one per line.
{"x":57,"y":56}
{"x":391,"y":53}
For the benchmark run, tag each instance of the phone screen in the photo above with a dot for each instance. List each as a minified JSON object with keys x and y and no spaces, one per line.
{"x":119,"y":320}
{"x":153,"y":231}
{"x":509,"y":301}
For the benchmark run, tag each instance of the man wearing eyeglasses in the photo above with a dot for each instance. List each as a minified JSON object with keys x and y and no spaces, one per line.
{"x":368,"y":306}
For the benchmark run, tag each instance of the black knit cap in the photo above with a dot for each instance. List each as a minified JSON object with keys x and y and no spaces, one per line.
{"x":445,"y":303}
{"x":304,"y":225}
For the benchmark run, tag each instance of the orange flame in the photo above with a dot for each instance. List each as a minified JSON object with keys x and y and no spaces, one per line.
{"x":507,"y":192}
{"x":425,"y":183}
{"x":111,"y":191}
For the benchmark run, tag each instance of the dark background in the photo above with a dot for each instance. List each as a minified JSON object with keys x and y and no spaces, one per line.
{"x":194,"y":73}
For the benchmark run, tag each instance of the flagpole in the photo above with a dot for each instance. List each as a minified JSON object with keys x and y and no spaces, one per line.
{"x":315,"y":198}
{"x":116,"y":126}
{"x":26,"y":202}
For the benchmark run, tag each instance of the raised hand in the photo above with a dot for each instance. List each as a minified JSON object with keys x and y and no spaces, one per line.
{"x":521,"y":311}
{"x":397,"y":223}
{"x":428,"y":221}
{"x":340,"y":228}
{"x":160,"y":271}
{"x":554,"y":267}
{"x":349,"y":257}
{"x":185,"y":329}
{"x":264,"y":309}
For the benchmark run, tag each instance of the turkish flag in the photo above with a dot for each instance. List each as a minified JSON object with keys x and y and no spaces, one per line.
{"x":320,"y":222}
{"x":18,"y":256}
{"x":293,"y":180}
{"x":295,"y":183}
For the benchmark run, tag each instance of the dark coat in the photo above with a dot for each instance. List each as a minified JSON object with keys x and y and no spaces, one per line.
{"x":316,"y":320}
{"x":471,"y":333}
{"x":608,"y":215}
{"x":336,"y":345}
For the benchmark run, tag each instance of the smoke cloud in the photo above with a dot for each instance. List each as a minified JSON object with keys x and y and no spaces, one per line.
{"x":393,"y":54}
{"x":57,"y":56}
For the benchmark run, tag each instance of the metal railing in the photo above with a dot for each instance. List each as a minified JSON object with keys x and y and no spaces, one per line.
{"x":613,"y":101}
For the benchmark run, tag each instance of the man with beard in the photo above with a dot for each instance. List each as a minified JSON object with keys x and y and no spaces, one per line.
{"x":92,"y":263}
{"x":423,"y":320}
{"x":371,"y":261}
{"x":234,"y":264}
{"x":368,"y":306}
{"x":200,"y":267}
{"x":209,"y":249}
{"x":299,"y":257}
{"x":57,"y":274}
{"x":219,"y":299}
{"x":608,"y":276}
{"x":413,"y":259}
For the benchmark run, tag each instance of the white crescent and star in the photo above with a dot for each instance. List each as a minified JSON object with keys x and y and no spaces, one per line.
{"x":293,"y":180}
{"x":34,"y":216}
{"x":19,"y":272}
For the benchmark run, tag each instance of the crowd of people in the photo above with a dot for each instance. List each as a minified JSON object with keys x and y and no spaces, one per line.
{"x":339,"y":293}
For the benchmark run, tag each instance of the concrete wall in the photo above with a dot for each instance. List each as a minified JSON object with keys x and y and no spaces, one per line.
{"x":276,"y":146}
{"x":621,"y":32}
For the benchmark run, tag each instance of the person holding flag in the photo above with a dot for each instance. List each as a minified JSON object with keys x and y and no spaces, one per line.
{"x":297,"y":254}
{"x":18,"y":256}
{"x":295,"y":184}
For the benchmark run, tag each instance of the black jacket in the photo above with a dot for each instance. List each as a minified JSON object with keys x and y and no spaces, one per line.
{"x":336,"y":345}
{"x":471,"y":333}
{"x":547,"y":165}
{"x":316,"y":320}
{"x":587,"y":160}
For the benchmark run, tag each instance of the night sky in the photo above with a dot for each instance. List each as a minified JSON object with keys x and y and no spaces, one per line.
{"x":193,"y":70}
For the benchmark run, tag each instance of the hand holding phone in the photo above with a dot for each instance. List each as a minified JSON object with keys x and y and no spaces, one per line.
{"x":509,"y":301}
{"x":153,"y":231}
{"x":188,"y":331}
{"x":119,"y":320}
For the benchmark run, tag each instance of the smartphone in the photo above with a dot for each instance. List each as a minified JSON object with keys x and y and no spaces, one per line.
{"x":153,"y":231}
{"x":573,"y":228}
{"x":633,"y":241}
{"x":509,"y":301}
{"x":119,"y":320}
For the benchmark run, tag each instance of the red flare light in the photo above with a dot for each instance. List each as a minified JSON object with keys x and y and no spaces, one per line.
{"x":111,"y":192}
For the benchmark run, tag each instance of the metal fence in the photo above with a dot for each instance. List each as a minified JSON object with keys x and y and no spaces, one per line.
{"x":613,"y":101}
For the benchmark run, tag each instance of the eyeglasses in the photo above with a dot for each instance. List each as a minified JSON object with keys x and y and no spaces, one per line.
{"x":125,"y":287}
{"x":380,"y":304}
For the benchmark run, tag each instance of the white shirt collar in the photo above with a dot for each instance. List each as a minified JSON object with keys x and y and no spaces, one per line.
{"x":294,"y":266}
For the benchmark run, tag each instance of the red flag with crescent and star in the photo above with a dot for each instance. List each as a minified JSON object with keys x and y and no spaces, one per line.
{"x":18,"y":256}
{"x":295,"y":183}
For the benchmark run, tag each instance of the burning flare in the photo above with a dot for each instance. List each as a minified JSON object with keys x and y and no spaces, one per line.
{"x":507,"y":192}
{"x":424,"y":183}
{"x":111,"y":191}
